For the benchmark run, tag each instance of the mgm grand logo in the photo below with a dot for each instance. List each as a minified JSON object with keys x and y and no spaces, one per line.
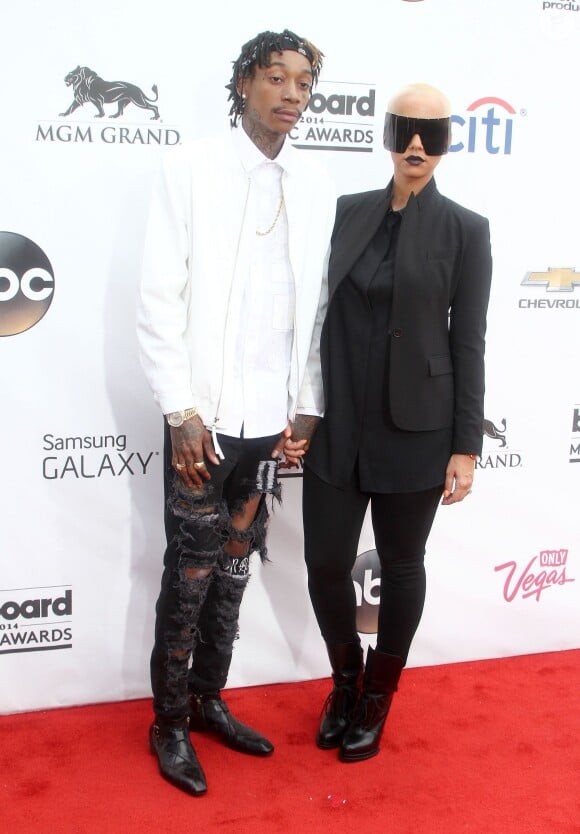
{"x":503,"y":457}
{"x":92,"y":92}
{"x":339,"y":117}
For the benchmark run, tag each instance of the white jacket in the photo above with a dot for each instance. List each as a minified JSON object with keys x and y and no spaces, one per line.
{"x":191,"y":246}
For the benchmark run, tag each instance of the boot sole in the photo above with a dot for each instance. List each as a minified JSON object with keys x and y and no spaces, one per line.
{"x":361,"y":757}
{"x":328,"y":745}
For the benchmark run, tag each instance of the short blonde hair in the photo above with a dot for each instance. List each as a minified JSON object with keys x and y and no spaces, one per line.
{"x":424,"y":91}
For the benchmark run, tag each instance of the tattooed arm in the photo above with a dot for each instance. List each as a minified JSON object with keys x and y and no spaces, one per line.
{"x":191,"y":442}
{"x":298,"y":443}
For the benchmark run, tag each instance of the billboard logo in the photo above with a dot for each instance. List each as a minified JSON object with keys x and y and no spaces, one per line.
{"x":366,"y":578}
{"x":491,"y":127}
{"x":339,"y":117}
{"x":35,"y":619}
{"x":26,"y":284}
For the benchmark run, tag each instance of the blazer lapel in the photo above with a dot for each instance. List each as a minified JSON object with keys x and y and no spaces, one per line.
{"x":362,"y":222}
{"x":408,"y":248}
{"x":416,"y":227}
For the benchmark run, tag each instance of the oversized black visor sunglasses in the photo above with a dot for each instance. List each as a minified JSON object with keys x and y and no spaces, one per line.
{"x":435,"y":133}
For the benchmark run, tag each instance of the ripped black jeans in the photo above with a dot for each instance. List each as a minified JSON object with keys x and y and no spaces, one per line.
{"x":197,"y":618}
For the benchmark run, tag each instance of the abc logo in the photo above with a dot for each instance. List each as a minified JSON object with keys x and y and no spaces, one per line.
{"x":26,"y":284}
{"x":366,"y":578}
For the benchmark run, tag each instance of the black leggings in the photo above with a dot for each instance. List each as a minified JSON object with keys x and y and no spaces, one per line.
{"x":401,"y":522}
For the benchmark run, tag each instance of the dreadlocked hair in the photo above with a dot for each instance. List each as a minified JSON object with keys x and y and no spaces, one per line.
{"x":257,"y":53}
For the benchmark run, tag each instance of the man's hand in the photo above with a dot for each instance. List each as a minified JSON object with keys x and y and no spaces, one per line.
{"x":298,"y":440}
{"x":458,"y":478}
{"x":191,"y":443}
{"x":278,"y":450}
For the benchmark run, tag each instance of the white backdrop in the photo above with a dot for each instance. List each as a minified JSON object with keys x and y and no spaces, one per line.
{"x":81,"y":529}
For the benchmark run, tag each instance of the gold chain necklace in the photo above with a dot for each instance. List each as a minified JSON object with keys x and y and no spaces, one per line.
{"x":275,"y":220}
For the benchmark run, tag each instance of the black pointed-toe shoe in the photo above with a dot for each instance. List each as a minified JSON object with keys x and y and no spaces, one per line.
{"x":208,"y":713}
{"x":178,"y":763}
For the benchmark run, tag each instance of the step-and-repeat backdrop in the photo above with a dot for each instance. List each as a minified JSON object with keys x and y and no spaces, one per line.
{"x":80,"y":445}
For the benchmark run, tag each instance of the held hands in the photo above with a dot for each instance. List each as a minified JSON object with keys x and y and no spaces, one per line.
{"x":295,"y":441}
{"x":458,"y":478}
{"x":191,"y":443}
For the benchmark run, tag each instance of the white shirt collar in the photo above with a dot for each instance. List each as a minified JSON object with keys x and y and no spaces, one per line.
{"x":251,"y":156}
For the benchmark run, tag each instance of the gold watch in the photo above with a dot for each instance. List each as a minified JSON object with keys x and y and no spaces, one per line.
{"x":177,"y":418}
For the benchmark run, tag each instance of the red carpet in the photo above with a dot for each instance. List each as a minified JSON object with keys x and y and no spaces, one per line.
{"x":488,"y":747}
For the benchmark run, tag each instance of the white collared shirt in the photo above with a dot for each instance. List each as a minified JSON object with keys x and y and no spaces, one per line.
{"x":255,"y":396}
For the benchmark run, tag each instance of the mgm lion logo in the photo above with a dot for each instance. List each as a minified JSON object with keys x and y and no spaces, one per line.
{"x":495,"y":432}
{"x":89,"y":87}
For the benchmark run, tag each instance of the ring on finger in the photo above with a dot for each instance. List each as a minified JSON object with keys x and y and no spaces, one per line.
{"x":179,"y":465}
{"x":199,"y":464}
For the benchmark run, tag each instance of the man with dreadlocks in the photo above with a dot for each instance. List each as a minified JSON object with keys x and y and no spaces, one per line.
{"x":229,"y":319}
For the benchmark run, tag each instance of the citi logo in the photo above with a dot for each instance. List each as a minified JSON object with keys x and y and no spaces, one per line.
{"x":489,"y":127}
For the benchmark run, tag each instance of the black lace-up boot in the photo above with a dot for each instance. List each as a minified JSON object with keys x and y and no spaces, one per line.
{"x":381,"y":677}
{"x":346,"y":662}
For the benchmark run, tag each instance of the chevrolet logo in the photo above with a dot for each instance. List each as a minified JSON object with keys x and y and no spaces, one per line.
{"x":556,"y":279}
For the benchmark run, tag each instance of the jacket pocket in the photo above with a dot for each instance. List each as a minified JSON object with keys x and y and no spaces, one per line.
{"x":440,"y":364}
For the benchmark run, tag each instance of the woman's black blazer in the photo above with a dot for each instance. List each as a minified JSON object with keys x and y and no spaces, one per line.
{"x":439,"y":304}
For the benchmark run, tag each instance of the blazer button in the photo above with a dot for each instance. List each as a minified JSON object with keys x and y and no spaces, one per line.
{"x":397,"y":333}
